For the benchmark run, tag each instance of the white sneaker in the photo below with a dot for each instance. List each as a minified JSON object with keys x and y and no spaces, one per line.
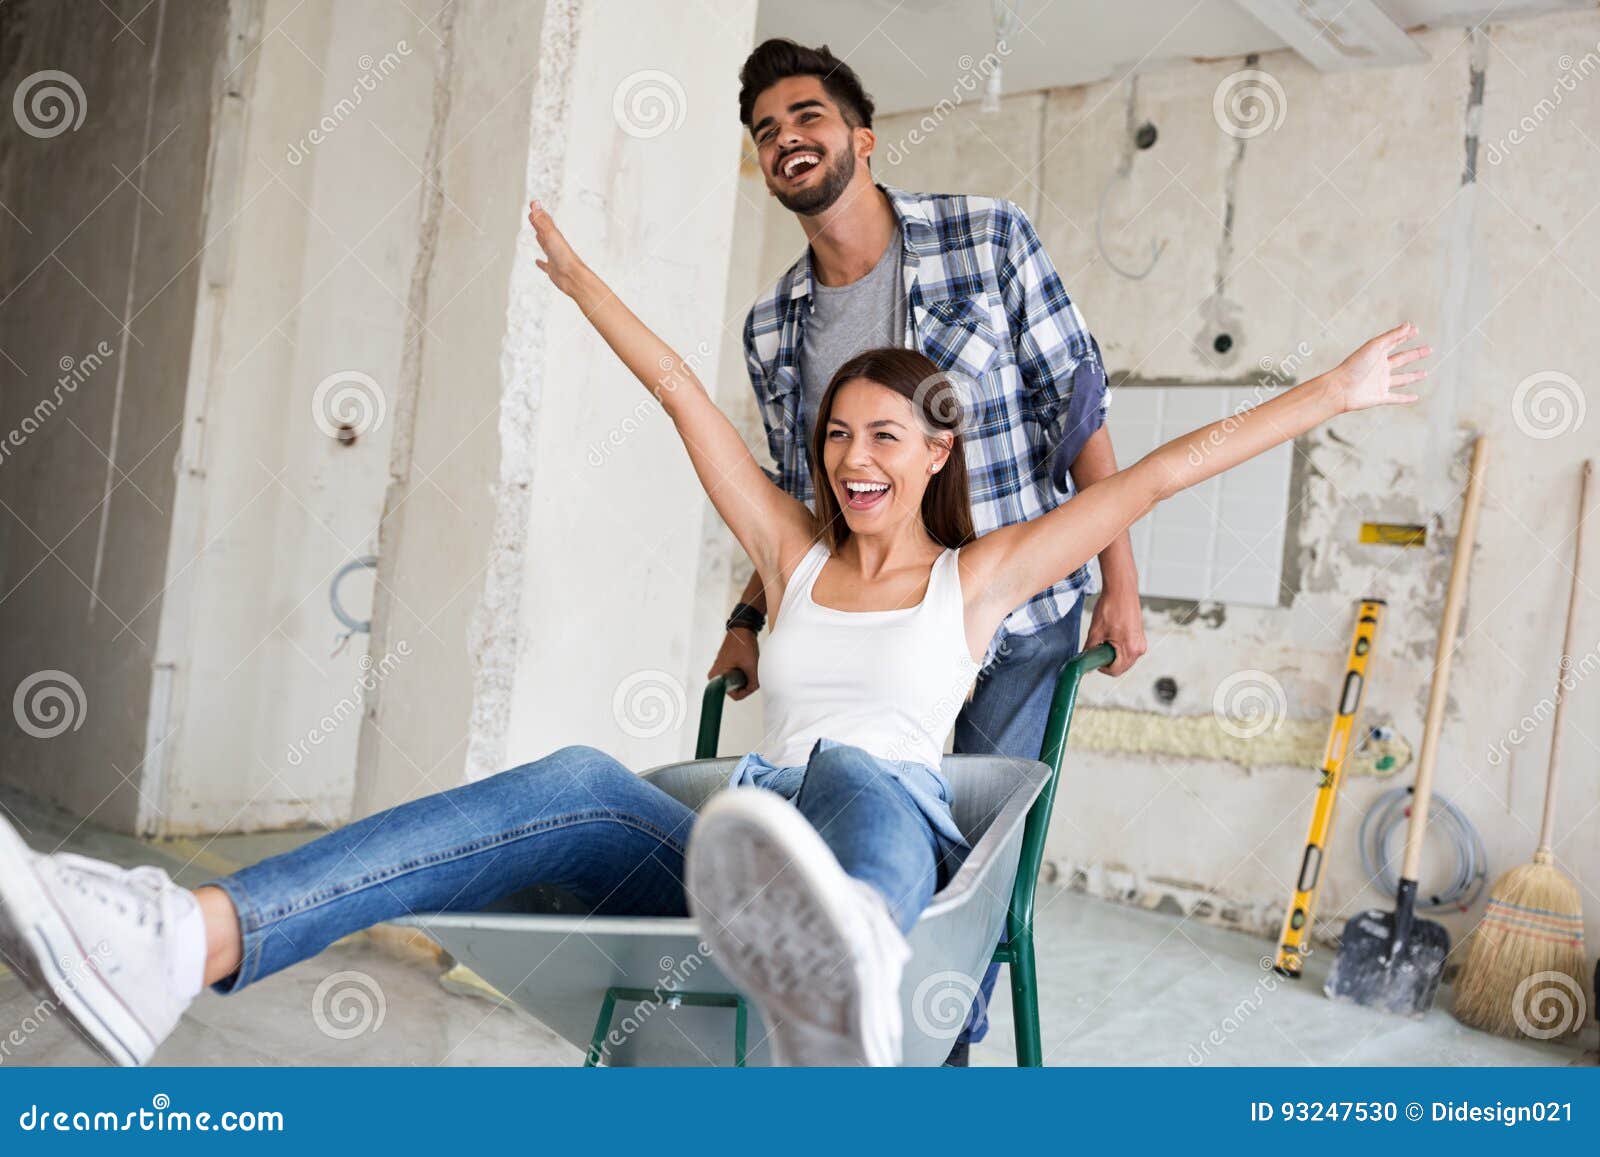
{"x":815,"y":949}
{"x":101,"y":943}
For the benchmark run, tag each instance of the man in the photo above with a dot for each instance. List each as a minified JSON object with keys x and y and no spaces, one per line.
{"x":965,"y":280}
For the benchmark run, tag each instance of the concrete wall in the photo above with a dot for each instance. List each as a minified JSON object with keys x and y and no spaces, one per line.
{"x":352,"y":249}
{"x":1381,"y":196}
{"x":103,"y":190}
{"x":313,"y":236}
{"x":585,"y":633}
{"x":434,"y":543}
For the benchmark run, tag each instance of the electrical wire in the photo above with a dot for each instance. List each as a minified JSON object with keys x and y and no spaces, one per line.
{"x":1389,"y":815}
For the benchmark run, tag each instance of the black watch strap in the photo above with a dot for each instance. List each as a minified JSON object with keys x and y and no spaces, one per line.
{"x":745,"y":615}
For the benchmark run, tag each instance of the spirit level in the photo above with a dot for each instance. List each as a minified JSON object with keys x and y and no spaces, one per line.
{"x":1295,"y":941}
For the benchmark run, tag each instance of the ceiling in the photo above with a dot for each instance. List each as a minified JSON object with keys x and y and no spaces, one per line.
{"x":907,"y":51}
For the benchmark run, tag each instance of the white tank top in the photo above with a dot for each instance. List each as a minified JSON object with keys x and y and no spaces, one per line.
{"x":888,"y":682}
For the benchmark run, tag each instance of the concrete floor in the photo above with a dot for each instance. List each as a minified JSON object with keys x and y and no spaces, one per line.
{"x":1119,"y":986}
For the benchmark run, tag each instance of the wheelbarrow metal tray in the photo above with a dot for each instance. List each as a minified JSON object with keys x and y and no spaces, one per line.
{"x":559,"y":967}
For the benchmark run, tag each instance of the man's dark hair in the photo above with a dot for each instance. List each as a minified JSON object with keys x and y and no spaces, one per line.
{"x":775,"y":60}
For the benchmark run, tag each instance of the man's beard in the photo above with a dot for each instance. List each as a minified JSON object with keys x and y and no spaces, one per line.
{"x":821,"y":196}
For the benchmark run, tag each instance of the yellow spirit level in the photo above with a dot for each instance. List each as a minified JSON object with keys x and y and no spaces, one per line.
{"x":1295,"y":941}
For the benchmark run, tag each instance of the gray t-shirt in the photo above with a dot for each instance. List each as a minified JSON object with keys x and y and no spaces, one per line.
{"x":846,"y":319}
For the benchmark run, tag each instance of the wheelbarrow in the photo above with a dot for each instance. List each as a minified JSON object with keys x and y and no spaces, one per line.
{"x":645,"y":990}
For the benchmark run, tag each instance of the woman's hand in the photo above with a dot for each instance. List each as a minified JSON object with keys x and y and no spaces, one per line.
{"x":563,"y":266}
{"x":1367,"y":377}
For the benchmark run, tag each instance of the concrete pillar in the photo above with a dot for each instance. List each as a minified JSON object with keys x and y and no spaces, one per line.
{"x":585,"y":630}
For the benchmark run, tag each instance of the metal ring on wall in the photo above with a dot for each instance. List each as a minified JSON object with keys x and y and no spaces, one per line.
{"x":365,"y":562}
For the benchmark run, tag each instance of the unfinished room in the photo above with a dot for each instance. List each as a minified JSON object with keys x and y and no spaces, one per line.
{"x":402,"y":409}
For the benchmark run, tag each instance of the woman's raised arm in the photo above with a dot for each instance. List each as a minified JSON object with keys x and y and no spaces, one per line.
{"x":1008,"y":566}
{"x":772,"y":526}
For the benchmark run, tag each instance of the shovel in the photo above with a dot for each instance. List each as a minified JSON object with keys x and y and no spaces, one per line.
{"x":1392,"y":960}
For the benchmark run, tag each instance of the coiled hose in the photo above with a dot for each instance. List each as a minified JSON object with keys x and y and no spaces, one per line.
{"x":1387,"y":818}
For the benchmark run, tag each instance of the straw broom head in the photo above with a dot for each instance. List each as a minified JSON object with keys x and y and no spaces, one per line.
{"x":1524,"y":975}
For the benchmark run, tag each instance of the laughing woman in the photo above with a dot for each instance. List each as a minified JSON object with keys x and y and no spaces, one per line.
{"x":883,"y":605}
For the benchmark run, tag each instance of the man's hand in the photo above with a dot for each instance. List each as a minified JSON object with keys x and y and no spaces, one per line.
{"x":740,"y":652}
{"x":1118,"y":620}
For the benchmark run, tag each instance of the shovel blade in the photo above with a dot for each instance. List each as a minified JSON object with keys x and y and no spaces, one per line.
{"x":1364,"y":973}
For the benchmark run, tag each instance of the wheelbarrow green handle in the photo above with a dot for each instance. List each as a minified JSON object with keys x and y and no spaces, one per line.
{"x":711,"y":712}
{"x":1051,"y":752}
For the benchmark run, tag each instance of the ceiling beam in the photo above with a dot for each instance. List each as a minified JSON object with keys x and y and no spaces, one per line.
{"x":1337,"y":35}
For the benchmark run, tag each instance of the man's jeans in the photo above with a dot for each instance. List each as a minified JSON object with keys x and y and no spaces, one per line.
{"x":576,"y":819}
{"x":1007,"y":717}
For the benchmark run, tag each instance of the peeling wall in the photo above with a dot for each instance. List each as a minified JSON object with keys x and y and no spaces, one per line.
{"x":1356,"y":212}
{"x":440,"y":514}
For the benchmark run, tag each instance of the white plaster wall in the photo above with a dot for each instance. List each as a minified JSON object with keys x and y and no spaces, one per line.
{"x":607,"y":652}
{"x":1349,"y":217}
{"x":439,"y":511}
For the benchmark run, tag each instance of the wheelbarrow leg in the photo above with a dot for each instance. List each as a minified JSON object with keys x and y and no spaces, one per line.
{"x":671,"y":1000}
{"x":1025,"y":1002}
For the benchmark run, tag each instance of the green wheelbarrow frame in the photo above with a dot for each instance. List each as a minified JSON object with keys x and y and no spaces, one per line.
{"x":1016,"y":953}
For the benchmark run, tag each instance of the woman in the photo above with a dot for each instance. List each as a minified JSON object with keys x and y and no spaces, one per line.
{"x":883,"y":605}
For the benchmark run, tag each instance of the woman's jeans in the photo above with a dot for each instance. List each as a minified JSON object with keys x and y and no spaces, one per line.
{"x":576,"y":819}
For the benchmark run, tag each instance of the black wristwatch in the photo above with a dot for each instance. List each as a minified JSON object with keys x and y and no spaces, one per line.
{"x":745,"y":615}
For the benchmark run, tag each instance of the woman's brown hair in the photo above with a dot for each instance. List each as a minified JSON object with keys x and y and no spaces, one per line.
{"x":937,"y":402}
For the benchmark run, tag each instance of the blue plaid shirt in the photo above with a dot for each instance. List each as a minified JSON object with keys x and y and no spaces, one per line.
{"x":986,"y":304}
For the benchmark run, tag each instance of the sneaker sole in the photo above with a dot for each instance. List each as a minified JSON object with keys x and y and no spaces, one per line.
{"x":777,"y":929}
{"x":40,"y":945}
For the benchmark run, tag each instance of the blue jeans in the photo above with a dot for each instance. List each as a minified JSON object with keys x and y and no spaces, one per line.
{"x":576,"y":819}
{"x":1007,"y":717}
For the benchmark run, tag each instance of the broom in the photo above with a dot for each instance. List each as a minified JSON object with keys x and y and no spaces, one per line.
{"x":1524,"y":975}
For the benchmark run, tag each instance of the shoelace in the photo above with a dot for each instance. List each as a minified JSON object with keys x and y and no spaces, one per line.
{"x":144,"y":888}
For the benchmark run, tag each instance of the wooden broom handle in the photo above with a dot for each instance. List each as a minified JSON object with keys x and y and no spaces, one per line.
{"x":1546,"y":825}
{"x":1444,"y":652}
